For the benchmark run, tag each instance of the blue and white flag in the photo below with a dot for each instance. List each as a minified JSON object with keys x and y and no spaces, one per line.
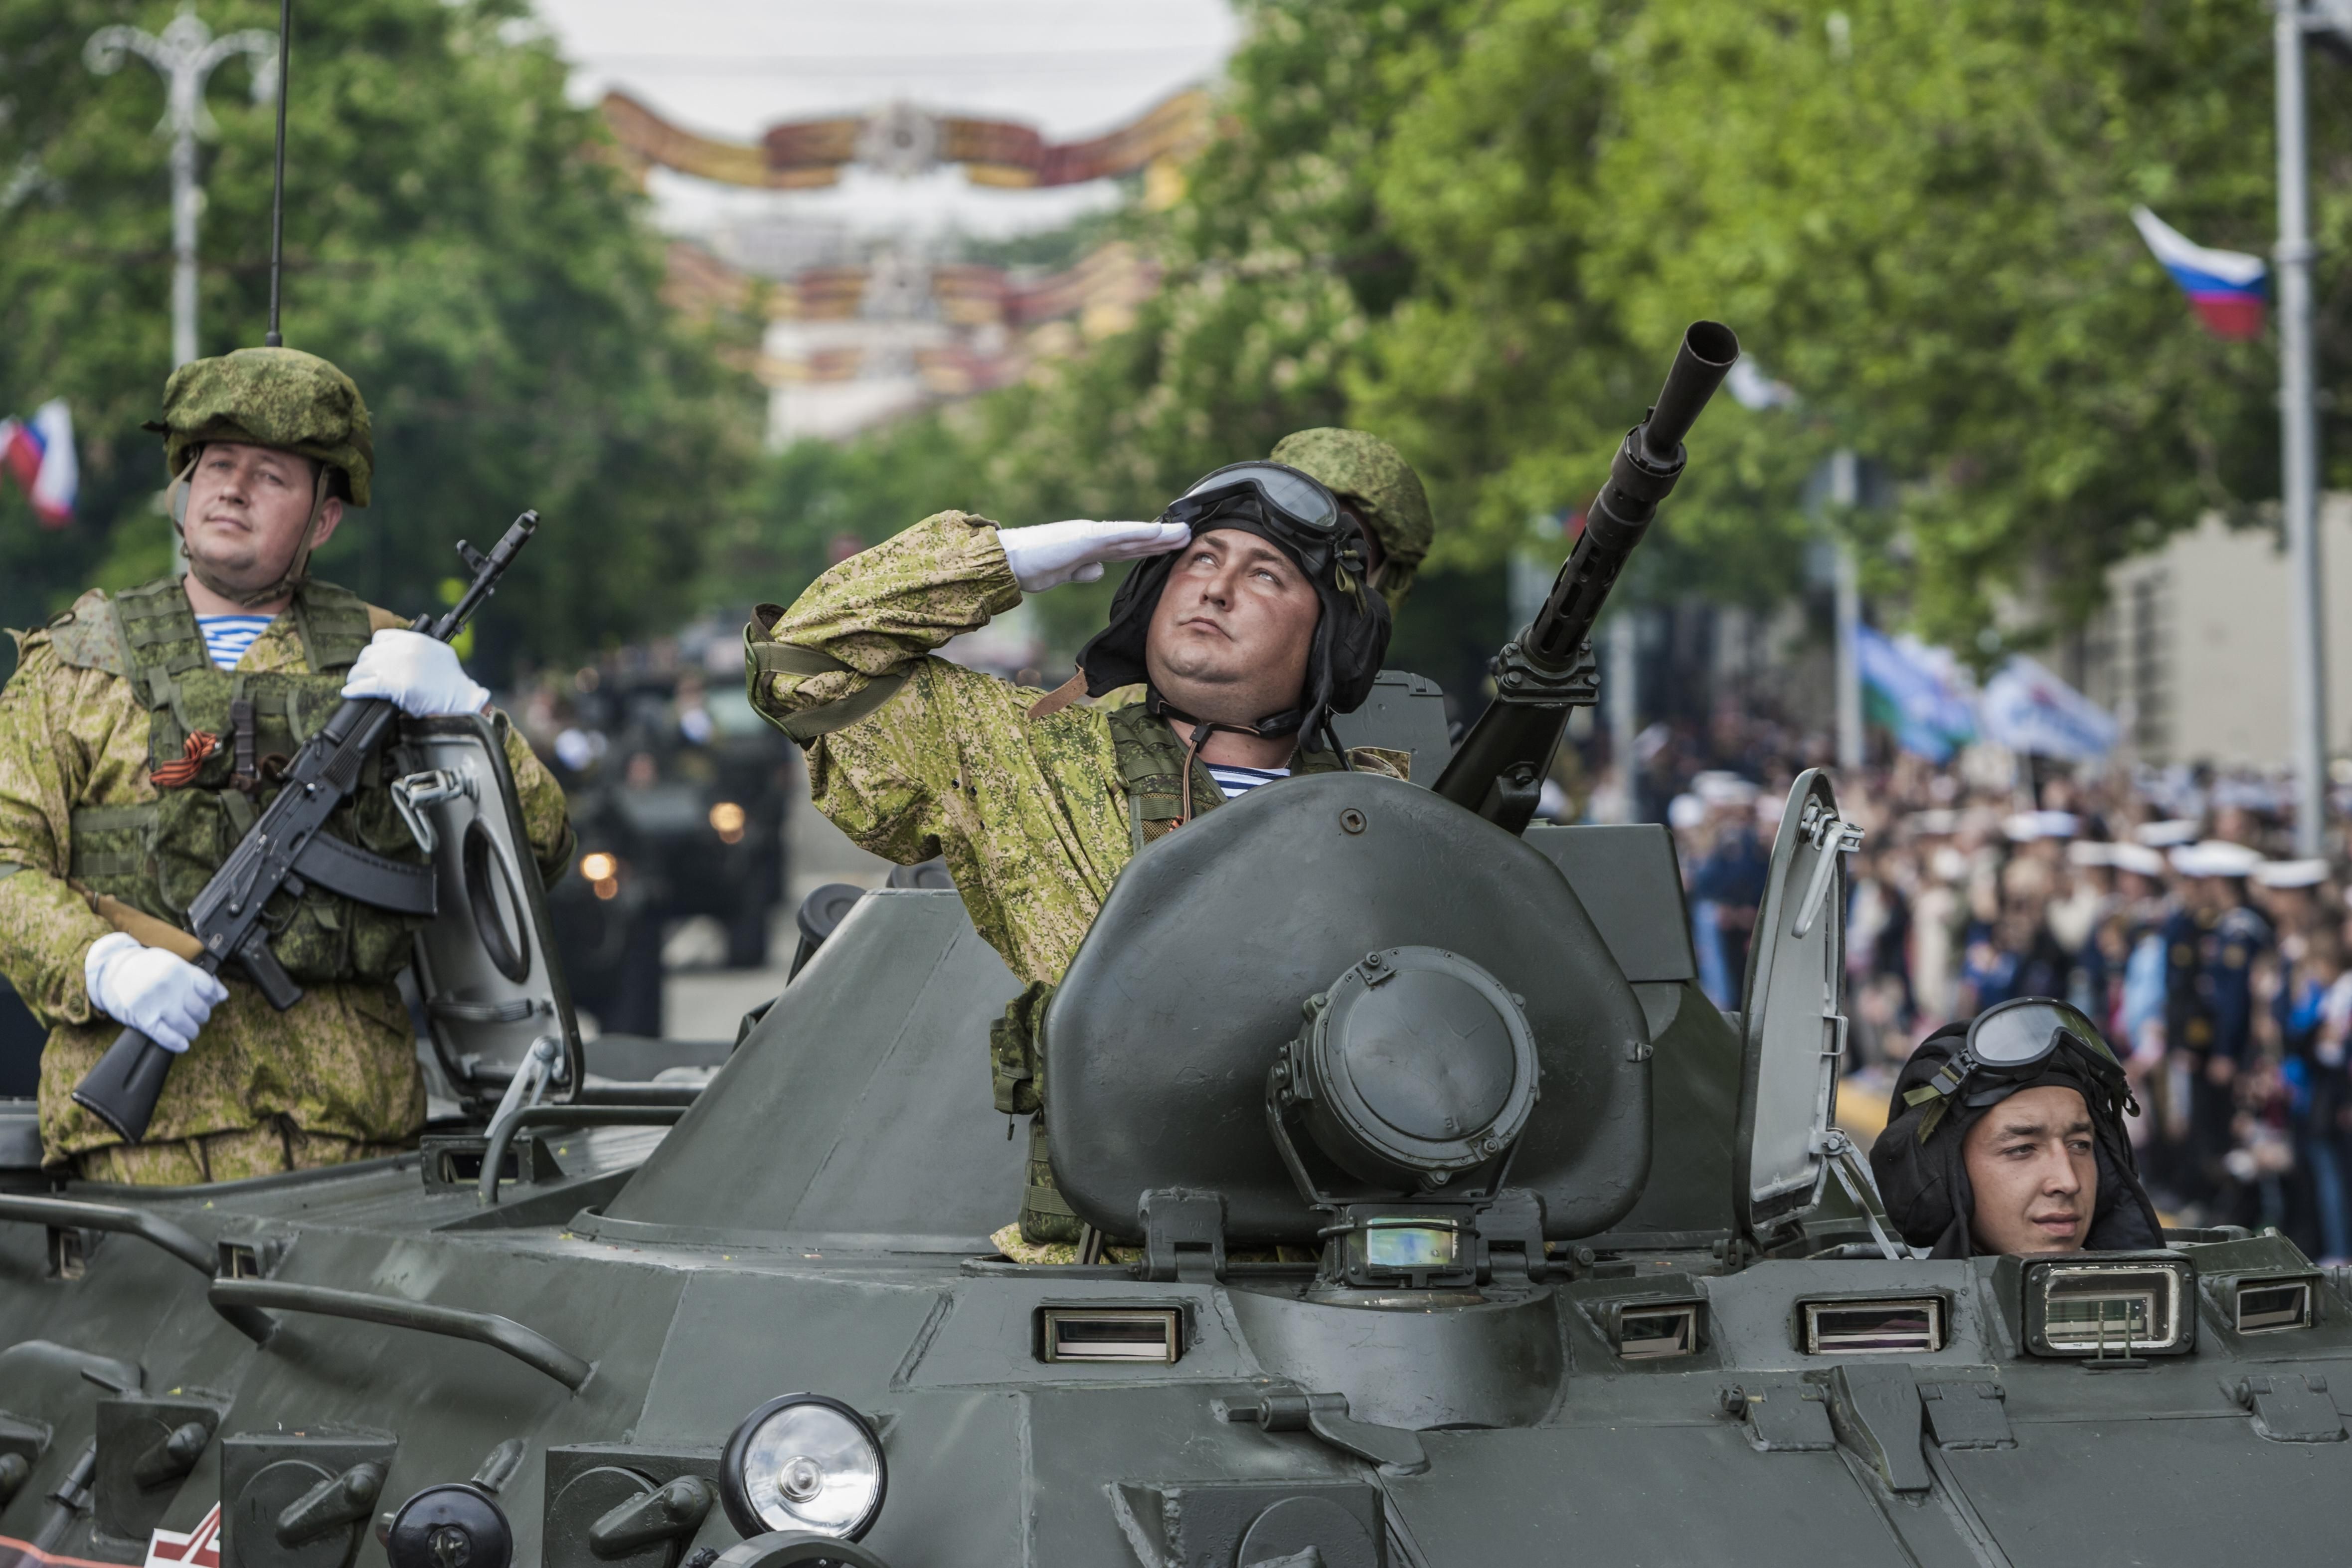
{"x":1914,"y":693}
{"x":2027,"y":709}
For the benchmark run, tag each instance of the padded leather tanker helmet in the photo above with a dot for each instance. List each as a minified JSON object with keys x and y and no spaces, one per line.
{"x":1300,"y":517}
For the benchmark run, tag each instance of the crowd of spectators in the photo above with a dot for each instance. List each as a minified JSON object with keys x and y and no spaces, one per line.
{"x":2167,"y":905}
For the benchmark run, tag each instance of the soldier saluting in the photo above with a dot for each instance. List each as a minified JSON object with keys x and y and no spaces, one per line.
{"x":1259,"y":609}
{"x":140,"y":738}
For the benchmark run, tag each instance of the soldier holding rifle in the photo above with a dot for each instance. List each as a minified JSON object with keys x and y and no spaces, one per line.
{"x":141,"y":737}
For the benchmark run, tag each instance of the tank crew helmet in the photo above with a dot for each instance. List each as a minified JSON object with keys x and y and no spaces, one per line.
{"x":1963,"y":1070}
{"x":1301,"y":516}
{"x":1372,"y":480}
{"x":281,"y":398}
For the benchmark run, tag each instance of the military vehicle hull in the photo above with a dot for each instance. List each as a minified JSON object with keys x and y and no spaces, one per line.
{"x":818,"y":1221}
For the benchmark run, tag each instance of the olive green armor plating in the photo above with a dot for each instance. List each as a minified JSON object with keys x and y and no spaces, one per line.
{"x":157,"y":855}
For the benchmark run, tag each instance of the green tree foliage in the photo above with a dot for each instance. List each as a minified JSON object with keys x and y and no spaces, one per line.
{"x":1478,"y":227}
{"x":1919,"y":217}
{"x":456,"y":240}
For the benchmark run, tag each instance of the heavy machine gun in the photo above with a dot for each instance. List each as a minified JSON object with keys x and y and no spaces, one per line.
{"x":1498,"y":771}
{"x":287,"y":848}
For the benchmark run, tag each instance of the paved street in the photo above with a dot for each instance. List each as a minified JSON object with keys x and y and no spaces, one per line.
{"x":708,"y":1004}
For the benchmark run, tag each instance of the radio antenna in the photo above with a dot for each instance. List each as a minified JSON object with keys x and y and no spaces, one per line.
{"x":277,"y":192}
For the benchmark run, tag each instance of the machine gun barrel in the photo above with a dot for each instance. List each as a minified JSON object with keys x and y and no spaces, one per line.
{"x":288,"y":843}
{"x":1496,"y":771}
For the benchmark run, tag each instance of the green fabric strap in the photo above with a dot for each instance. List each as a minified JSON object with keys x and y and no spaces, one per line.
{"x":825,"y":718}
{"x":790,"y":658}
{"x":159,"y":633}
{"x":1045,"y":1200}
{"x":332,"y":622}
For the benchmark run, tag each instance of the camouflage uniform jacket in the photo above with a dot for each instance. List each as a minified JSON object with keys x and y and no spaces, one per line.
{"x":914,"y":757}
{"x":73,"y":735}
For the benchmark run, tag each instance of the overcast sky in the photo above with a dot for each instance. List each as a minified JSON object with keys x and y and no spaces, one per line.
{"x":731,"y":68}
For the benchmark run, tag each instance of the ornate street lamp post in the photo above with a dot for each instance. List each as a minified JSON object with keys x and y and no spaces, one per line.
{"x":185,"y":56}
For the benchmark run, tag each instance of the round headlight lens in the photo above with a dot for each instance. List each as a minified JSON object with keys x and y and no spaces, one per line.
{"x":803,"y":1462}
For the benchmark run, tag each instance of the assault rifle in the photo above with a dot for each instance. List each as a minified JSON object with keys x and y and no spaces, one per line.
{"x":1498,"y":771}
{"x":287,"y":848}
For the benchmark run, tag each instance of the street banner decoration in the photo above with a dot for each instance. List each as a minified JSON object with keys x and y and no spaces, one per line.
{"x":1915,"y":693}
{"x":40,"y":452}
{"x":2226,"y":286}
{"x":2027,"y":709}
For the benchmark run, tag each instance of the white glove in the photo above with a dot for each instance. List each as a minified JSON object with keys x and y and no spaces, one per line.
{"x":1053,"y":554}
{"x":159,"y":993}
{"x":420,"y":675}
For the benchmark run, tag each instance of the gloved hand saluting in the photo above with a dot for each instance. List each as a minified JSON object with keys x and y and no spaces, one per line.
{"x":1053,"y":554}
{"x":420,"y":675}
{"x":159,"y":993}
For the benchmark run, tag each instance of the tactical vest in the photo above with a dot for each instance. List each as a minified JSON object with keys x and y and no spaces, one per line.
{"x":1151,"y":763}
{"x":158,"y":856}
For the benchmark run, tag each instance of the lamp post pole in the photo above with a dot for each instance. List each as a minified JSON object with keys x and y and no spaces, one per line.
{"x":2299,"y":430}
{"x":185,"y":54}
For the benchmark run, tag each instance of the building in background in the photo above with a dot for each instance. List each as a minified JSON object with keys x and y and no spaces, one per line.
{"x":2191,"y":652}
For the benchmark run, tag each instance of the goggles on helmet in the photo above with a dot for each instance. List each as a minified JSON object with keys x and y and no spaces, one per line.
{"x":1299,"y":498}
{"x":2015,"y":1040}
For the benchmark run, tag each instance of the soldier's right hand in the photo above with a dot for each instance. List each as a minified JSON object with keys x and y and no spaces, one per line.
{"x":1053,"y":554}
{"x":159,"y":993}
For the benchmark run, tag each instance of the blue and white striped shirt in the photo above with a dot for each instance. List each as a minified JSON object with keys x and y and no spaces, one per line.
{"x":1237,"y":781}
{"x":228,"y":637}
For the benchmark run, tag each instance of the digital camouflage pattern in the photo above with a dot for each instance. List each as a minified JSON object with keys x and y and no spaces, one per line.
{"x":270,"y":397}
{"x":913,"y":757}
{"x":157,"y":857}
{"x":336,"y":1073}
{"x":1360,"y":468}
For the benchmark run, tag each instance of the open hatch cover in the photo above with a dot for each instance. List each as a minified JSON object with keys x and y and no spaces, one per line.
{"x":1794,"y":1032}
{"x":492,"y":983}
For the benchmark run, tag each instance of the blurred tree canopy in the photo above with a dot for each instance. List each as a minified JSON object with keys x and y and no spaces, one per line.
{"x":454,"y":240}
{"x":1478,"y":227}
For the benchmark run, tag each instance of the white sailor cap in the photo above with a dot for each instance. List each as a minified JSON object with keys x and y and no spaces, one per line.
{"x":2292,"y":873}
{"x":2216,"y":857}
{"x":2136,"y":858}
{"x":2165,"y":835}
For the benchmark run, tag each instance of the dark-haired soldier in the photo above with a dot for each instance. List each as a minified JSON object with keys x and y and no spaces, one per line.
{"x":2006,"y":1135}
{"x":1259,"y":609}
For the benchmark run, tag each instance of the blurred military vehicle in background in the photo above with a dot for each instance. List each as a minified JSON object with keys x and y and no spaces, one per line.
{"x":678,"y":791}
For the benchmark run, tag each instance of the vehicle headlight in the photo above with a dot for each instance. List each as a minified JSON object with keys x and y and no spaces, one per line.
{"x":803,"y":1462}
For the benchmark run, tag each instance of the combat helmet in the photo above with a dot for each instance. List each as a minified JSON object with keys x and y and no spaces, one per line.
{"x":1372,"y":476}
{"x":283,"y":399}
{"x":276,"y":398}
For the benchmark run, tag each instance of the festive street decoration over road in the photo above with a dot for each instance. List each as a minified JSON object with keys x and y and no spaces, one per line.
{"x":906,"y":140}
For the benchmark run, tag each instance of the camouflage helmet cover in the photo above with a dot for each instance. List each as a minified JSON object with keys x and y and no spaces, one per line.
{"x":270,"y":397}
{"x":1361,"y":468}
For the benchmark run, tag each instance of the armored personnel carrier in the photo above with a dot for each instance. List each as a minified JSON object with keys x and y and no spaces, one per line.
{"x":1444,"y":1222}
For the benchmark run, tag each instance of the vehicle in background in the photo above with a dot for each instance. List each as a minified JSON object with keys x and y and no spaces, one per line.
{"x":677,"y":790}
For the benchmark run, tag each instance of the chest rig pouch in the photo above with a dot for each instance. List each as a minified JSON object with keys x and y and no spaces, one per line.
{"x":215,"y":743}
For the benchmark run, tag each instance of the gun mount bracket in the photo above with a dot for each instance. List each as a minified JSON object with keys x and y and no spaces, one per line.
{"x":1521,"y":679}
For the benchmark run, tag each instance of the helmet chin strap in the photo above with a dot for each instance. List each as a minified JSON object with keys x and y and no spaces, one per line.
{"x":296,"y":569}
{"x":1273,"y":727}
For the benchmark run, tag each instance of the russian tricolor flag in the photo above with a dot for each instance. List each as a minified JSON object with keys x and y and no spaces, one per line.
{"x":41,"y":452}
{"x":2226,"y":285}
